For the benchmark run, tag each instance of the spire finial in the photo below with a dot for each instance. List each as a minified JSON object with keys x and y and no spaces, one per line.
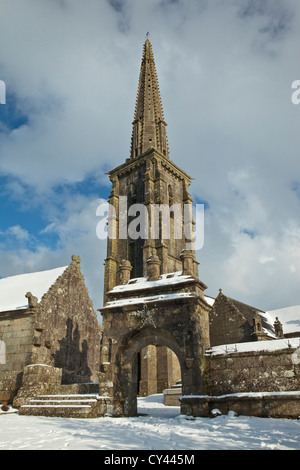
{"x":149,"y":126}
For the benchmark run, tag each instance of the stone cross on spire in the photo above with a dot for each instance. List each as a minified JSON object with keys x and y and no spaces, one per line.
{"x":149,"y":127}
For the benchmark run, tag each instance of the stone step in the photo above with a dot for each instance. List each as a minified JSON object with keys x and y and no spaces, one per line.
{"x":68,"y":406}
{"x":74,"y":397}
{"x":62,"y":402}
{"x":178,"y":384}
{"x":57,"y":411}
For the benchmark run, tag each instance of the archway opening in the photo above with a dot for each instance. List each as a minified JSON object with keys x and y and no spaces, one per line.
{"x":158,"y":368}
{"x":151,"y":362}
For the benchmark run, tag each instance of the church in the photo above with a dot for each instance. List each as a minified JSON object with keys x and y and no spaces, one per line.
{"x":159,"y":327}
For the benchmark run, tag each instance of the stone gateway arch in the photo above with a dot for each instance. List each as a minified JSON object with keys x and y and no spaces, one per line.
{"x":163,"y":313}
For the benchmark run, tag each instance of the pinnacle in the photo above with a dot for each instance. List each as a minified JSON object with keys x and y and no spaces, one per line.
{"x":149,"y":128}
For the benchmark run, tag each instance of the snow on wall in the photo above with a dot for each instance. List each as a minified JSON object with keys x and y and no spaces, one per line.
{"x":272,"y":345}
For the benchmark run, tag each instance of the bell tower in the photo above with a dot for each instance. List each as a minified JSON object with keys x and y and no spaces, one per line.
{"x":155,"y":316}
{"x":150,"y":204}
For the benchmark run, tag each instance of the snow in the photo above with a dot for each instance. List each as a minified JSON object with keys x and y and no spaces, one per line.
{"x":288,"y":316}
{"x":158,"y":428}
{"x":14,"y":288}
{"x":248,"y":394}
{"x":272,"y":345}
{"x":143,"y":283}
{"x":209,"y":300}
{"x":144,"y":300}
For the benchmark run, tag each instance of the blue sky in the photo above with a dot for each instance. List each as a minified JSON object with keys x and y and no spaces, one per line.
{"x":225,"y":70}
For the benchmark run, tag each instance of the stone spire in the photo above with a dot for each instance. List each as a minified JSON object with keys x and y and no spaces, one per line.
{"x":149,"y":127}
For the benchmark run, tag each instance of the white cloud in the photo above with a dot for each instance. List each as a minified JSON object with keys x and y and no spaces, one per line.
{"x":16,"y":231}
{"x":74,"y":225}
{"x":225,"y":70}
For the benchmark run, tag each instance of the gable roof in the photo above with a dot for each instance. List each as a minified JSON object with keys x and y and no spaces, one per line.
{"x":14,"y":288}
{"x":248,"y":312}
{"x":288,"y":316}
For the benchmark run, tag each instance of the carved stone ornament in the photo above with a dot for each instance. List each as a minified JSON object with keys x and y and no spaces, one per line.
{"x":189,"y":361}
{"x":106,"y":366}
{"x":145,"y":315}
{"x":32,"y":300}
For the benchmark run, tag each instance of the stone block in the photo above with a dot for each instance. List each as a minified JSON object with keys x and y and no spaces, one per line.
{"x":265,"y":405}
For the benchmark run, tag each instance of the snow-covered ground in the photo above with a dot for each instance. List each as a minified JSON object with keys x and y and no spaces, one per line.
{"x":158,"y":428}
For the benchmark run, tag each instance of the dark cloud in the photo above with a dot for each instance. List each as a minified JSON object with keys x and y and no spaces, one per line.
{"x":117,"y":5}
{"x":276,"y":16}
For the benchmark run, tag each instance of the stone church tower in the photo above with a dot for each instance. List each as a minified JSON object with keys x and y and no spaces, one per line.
{"x":155,"y":316}
{"x":151,"y":179}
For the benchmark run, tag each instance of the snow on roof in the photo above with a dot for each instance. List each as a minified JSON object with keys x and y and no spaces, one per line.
{"x":14,"y":288}
{"x":209,"y":300}
{"x":142,"y":300}
{"x":271,"y":345}
{"x":288,"y":316}
{"x":143,"y":283}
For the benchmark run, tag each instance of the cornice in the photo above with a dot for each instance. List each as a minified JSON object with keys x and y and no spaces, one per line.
{"x":133,"y":163}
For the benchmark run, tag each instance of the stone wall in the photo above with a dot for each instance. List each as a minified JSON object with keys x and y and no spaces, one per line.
{"x":254,"y":383}
{"x":264,"y":405}
{"x":37,"y":379}
{"x":67,"y":332}
{"x":227,"y":323}
{"x":255,"y":371}
{"x":61,"y":331}
{"x":16,"y":332}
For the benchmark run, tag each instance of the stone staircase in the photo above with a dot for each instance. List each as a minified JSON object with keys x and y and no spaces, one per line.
{"x":42,"y":394}
{"x":63,"y":406}
{"x":68,"y":401}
